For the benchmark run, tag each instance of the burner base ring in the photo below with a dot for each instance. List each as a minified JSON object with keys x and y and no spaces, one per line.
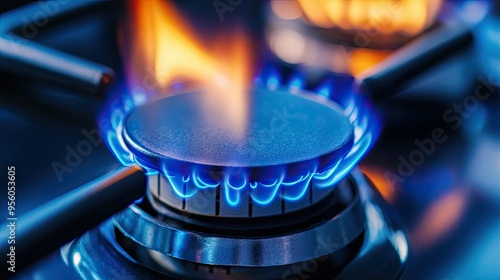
{"x":317,"y":268}
{"x":338,"y":199}
{"x":238,"y":249}
{"x":383,"y":253}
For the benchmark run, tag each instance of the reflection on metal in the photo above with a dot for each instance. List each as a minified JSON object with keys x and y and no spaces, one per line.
{"x":381,"y":181}
{"x":76,"y":259}
{"x":399,"y":241}
{"x":439,"y":219}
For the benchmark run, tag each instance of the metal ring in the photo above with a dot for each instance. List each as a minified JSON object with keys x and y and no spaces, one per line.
{"x":318,"y":240}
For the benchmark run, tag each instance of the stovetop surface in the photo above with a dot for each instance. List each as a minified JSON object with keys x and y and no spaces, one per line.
{"x":449,"y":204}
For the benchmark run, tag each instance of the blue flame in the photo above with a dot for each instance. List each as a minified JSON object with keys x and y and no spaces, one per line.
{"x":203,"y":183}
{"x":295,"y":190}
{"x":236,"y":182}
{"x":270,"y":77}
{"x":111,"y":123}
{"x":233,"y":190}
{"x":265,"y":193}
{"x":296,"y":82}
{"x":326,"y":178}
{"x":325,"y":89}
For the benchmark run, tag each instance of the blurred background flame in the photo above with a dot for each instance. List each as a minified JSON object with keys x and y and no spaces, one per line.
{"x":346,"y":36}
{"x":409,"y":17}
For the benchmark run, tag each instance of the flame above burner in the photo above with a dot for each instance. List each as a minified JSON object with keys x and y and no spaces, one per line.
{"x":163,"y":51}
{"x":337,"y":89}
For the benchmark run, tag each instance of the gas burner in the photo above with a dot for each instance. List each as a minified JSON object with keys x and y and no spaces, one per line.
{"x":278,"y":196}
{"x":290,"y":142}
{"x":281,"y":197}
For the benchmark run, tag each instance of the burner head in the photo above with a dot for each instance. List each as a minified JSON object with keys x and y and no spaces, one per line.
{"x":288,"y":139}
{"x":283,"y":129}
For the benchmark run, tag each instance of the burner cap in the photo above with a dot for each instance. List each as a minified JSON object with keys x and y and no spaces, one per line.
{"x":289,"y":142}
{"x":283,"y":130}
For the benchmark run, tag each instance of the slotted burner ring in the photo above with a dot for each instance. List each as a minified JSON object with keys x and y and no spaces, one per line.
{"x":254,"y":247}
{"x":139,"y":244}
{"x":279,"y":165}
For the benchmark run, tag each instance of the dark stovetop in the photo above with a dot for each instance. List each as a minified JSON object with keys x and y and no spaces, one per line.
{"x":449,"y":203}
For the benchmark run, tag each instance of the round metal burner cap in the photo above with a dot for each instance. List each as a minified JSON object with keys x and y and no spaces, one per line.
{"x":281,"y":129}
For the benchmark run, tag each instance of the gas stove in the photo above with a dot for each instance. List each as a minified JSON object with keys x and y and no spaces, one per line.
{"x":250,"y":140}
